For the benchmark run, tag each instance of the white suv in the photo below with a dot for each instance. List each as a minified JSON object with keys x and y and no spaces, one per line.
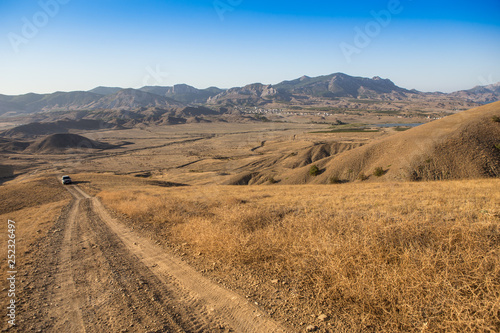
{"x":66,"y":180}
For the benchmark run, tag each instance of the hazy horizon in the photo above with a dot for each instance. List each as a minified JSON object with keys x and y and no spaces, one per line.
{"x":69,"y":45}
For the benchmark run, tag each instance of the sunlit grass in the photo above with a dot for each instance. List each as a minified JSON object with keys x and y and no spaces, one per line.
{"x":393,"y":257}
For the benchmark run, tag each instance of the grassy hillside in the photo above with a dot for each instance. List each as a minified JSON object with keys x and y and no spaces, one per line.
{"x":465,"y":145}
{"x":35,"y":206}
{"x":371,"y":256}
{"x":459,"y":146}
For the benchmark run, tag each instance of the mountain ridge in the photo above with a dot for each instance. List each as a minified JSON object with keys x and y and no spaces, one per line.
{"x":309,"y":89}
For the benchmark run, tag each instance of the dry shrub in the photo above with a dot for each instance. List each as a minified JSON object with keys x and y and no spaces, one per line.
{"x":314,"y":170}
{"x":377,"y":257}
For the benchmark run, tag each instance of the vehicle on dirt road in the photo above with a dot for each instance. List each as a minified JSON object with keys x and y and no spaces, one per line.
{"x":66,"y":180}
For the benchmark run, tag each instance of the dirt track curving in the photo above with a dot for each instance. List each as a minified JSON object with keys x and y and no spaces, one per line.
{"x":108,"y":278}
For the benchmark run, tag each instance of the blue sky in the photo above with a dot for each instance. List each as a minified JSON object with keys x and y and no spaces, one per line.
{"x":64,"y":45}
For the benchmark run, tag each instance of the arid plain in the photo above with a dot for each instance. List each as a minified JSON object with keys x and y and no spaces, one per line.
{"x":155,"y":235}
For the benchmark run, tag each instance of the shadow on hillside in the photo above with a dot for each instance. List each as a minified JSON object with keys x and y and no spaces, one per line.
{"x":6,"y":179}
{"x":6,"y":173}
{"x":78,"y":182}
{"x":320,"y":171}
{"x":166,"y":184}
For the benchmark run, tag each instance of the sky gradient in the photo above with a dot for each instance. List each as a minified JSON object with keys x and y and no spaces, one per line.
{"x":66,"y":45}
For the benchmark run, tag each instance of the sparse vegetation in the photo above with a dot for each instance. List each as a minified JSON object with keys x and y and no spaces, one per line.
{"x":314,"y":170}
{"x":421,"y":261}
{"x":262,"y":118}
{"x":373,"y":256}
{"x":495,"y":119}
{"x":271,"y":180}
{"x":334,"y":180}
{"x":392,"y":112}
{"x":37,"y":192}
{"x":362,"y":177}
{"x":379,"y":171}
{"x":365,"y":101}
{"x":35,"y":206}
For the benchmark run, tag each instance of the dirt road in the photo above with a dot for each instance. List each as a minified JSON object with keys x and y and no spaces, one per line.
{"x":100,"y":276}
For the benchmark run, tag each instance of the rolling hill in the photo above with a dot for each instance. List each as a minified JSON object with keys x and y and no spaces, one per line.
{"x":461,"y":146}
{"x":65,"y":143}
{"x":36,"y":129}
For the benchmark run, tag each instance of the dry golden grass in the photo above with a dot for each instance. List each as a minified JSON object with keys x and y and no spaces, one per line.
{"x":460,"y":146}
{"x":32,"y":192}
{"x":35,"y":206}
{"x":376,"y":257}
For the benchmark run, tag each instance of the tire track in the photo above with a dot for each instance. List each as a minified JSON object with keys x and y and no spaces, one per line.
{"x":200,"y":303}
{"x":67,"y":309}
{"x":116,"y":292}
{"x":107,"y":278}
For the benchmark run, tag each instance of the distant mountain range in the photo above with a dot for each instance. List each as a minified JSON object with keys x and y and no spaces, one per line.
{"x":308,"y":90}
{"x":332,"y":86}
{"x":481,"y":94}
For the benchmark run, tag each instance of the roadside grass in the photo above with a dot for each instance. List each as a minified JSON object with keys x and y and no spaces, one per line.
{"x":374,"y":257}
{"x":34,"y":205}
{"x":30,"y":193}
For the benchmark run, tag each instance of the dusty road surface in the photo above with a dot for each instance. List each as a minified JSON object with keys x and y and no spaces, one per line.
{"x":100,"y":276}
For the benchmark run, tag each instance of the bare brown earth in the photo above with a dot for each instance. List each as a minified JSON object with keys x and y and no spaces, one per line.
{"x":92,"y":274}
{"x":191,"y":153}
{"x":62,"y":142}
